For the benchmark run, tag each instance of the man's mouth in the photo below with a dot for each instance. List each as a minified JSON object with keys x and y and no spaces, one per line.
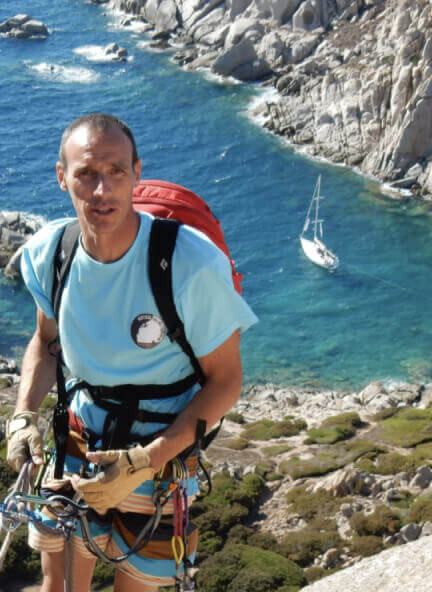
{"x":103,"y":211}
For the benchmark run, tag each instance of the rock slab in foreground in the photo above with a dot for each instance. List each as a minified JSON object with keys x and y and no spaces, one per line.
{"x":406,"y":568}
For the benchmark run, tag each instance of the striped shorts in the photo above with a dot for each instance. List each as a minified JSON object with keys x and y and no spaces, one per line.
{"x":153,"y":565}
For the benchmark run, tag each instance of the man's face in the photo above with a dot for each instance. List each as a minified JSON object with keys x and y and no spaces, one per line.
{"x":100,"y":178}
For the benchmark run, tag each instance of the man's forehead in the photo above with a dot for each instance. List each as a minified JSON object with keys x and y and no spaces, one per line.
{"x":86,"y":142}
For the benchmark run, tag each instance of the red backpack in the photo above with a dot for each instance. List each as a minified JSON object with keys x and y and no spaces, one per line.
{"x":168,"y":200}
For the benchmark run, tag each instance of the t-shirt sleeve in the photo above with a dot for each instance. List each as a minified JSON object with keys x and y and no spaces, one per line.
{"x":37,"y":266}
{"x":210,"y":308}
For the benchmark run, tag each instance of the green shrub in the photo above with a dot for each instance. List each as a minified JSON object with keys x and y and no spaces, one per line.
{"x":240,"y":534}
{"x":327,"y":459}
{"x":309,"y":505}
{"x":329,"y":435}
{"x":264,"y":540}
{"x":322,"y":523}
{"x":274,"y":476}
{"x":392,"y":463}
{"x":21,"y":562}
{"x":7,"y":478}
{"x":220,"y":520}
{"x":304,"y":545}
{"x":366,"y":545}
{"x":264,"y":467}
{"x":209,"y":544}
{"x":265,"y":429}
{"x":334,"y":429}
{"x":314,"y":573}
{"x":421,"y":510}
{"x":247,"y":491}
{"x":222,"y":486}
{"x":407,"y":427}
{"x":276,"y":449}
{"x":245,"y":568}
{"x":382,"y":521}
{"x":237,"y":443}
{"x":103,"y":575}
{"x":235,"y":416}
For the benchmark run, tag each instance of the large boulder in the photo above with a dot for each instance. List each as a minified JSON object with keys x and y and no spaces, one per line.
{"x":311,"y":15}
{"x":254,"y":70}
{"x":33,"y":27}
{"x":22,"y":26}
{"x":162,"y":14}
{"x":236,"y":7}
{"x":248,"y":28}
{"x":242,"y":62}
{"x":116,"y":52}
{"x":272,"y":49}
{"x":234,"y":56}
{"x":283,"y":10}
{"x":14,"y":22}
{"x":15,"y":229}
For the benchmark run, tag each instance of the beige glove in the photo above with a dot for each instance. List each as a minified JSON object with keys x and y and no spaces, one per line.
{"x":24,"y":440}
{"x":126,"y":470}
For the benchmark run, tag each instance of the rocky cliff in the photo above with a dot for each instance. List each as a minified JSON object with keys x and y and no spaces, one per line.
{"x":354,"y":77}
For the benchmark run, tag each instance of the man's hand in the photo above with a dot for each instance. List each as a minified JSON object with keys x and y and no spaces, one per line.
{"x":125,"y":471}
{"x":24,"y":440}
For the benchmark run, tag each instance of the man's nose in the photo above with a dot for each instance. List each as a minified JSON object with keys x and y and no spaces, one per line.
{"x":103,"y":186}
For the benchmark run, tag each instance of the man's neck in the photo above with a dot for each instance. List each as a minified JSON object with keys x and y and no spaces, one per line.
{"x":108,"y":247}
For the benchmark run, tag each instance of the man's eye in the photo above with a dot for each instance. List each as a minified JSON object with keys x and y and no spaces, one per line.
{"x":85,"y":173}
{"x":117,"y":171}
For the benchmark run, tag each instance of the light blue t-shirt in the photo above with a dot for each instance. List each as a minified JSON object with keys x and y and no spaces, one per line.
{"x":110,"y":329}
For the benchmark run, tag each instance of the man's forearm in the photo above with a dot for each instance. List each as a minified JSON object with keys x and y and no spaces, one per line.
{"x":210,"y":404}
{"x":38,"y":374}
{"x":220,"y":392}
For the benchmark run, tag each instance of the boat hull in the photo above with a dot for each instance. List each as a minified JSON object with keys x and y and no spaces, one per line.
{"x":318,"y":253}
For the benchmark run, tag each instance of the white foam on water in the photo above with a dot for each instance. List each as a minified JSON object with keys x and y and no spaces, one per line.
{"x":93,"y":53}
{"x":218,"y":78}
{"x":255,"y":110}
{"x":64,"y":74}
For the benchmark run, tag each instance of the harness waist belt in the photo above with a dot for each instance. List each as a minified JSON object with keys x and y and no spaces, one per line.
{"x":139,"y":391}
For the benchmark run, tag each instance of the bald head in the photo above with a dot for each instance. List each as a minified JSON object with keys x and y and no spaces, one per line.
{"x":98,"y":122}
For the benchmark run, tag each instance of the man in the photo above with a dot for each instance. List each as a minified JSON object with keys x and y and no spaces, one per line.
{"x":105,"y":298}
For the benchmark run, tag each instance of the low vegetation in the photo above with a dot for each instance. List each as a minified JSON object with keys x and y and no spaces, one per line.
{"x":407,"y":427}
{"x":327,"y":459}
{"x":242,"y":568}
{"x":333,"y":429}
{"x":266,"y":429}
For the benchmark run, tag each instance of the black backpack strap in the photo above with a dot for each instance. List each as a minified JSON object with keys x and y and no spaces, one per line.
{"x":163,"y":238}
{"x":63,"y":257}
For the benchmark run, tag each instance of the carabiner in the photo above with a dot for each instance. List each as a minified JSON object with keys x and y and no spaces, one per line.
{"x":178,"y":549}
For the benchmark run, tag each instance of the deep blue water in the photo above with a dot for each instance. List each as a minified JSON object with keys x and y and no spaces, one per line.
{"x":368,"y":320}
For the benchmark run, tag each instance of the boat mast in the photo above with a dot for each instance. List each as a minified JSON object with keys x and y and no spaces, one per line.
{"x":317,"y":198}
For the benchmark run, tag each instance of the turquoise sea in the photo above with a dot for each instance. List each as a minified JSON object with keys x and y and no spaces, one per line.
{"x":369,"y":320}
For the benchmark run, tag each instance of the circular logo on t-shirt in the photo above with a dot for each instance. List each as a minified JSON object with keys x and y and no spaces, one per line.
{"x":147,"y":330}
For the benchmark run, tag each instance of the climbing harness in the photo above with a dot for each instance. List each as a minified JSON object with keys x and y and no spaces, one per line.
{"x":19,"y":508}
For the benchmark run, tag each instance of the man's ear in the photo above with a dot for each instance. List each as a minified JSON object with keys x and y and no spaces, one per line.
{"x":137,"y":168}
{"x":61,"y":176}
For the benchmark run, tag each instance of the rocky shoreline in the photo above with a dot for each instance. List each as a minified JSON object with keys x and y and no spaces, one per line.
{"x":352,"y":78}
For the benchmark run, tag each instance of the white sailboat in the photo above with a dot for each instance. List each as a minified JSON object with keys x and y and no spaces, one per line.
{"x":313,"y":247}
